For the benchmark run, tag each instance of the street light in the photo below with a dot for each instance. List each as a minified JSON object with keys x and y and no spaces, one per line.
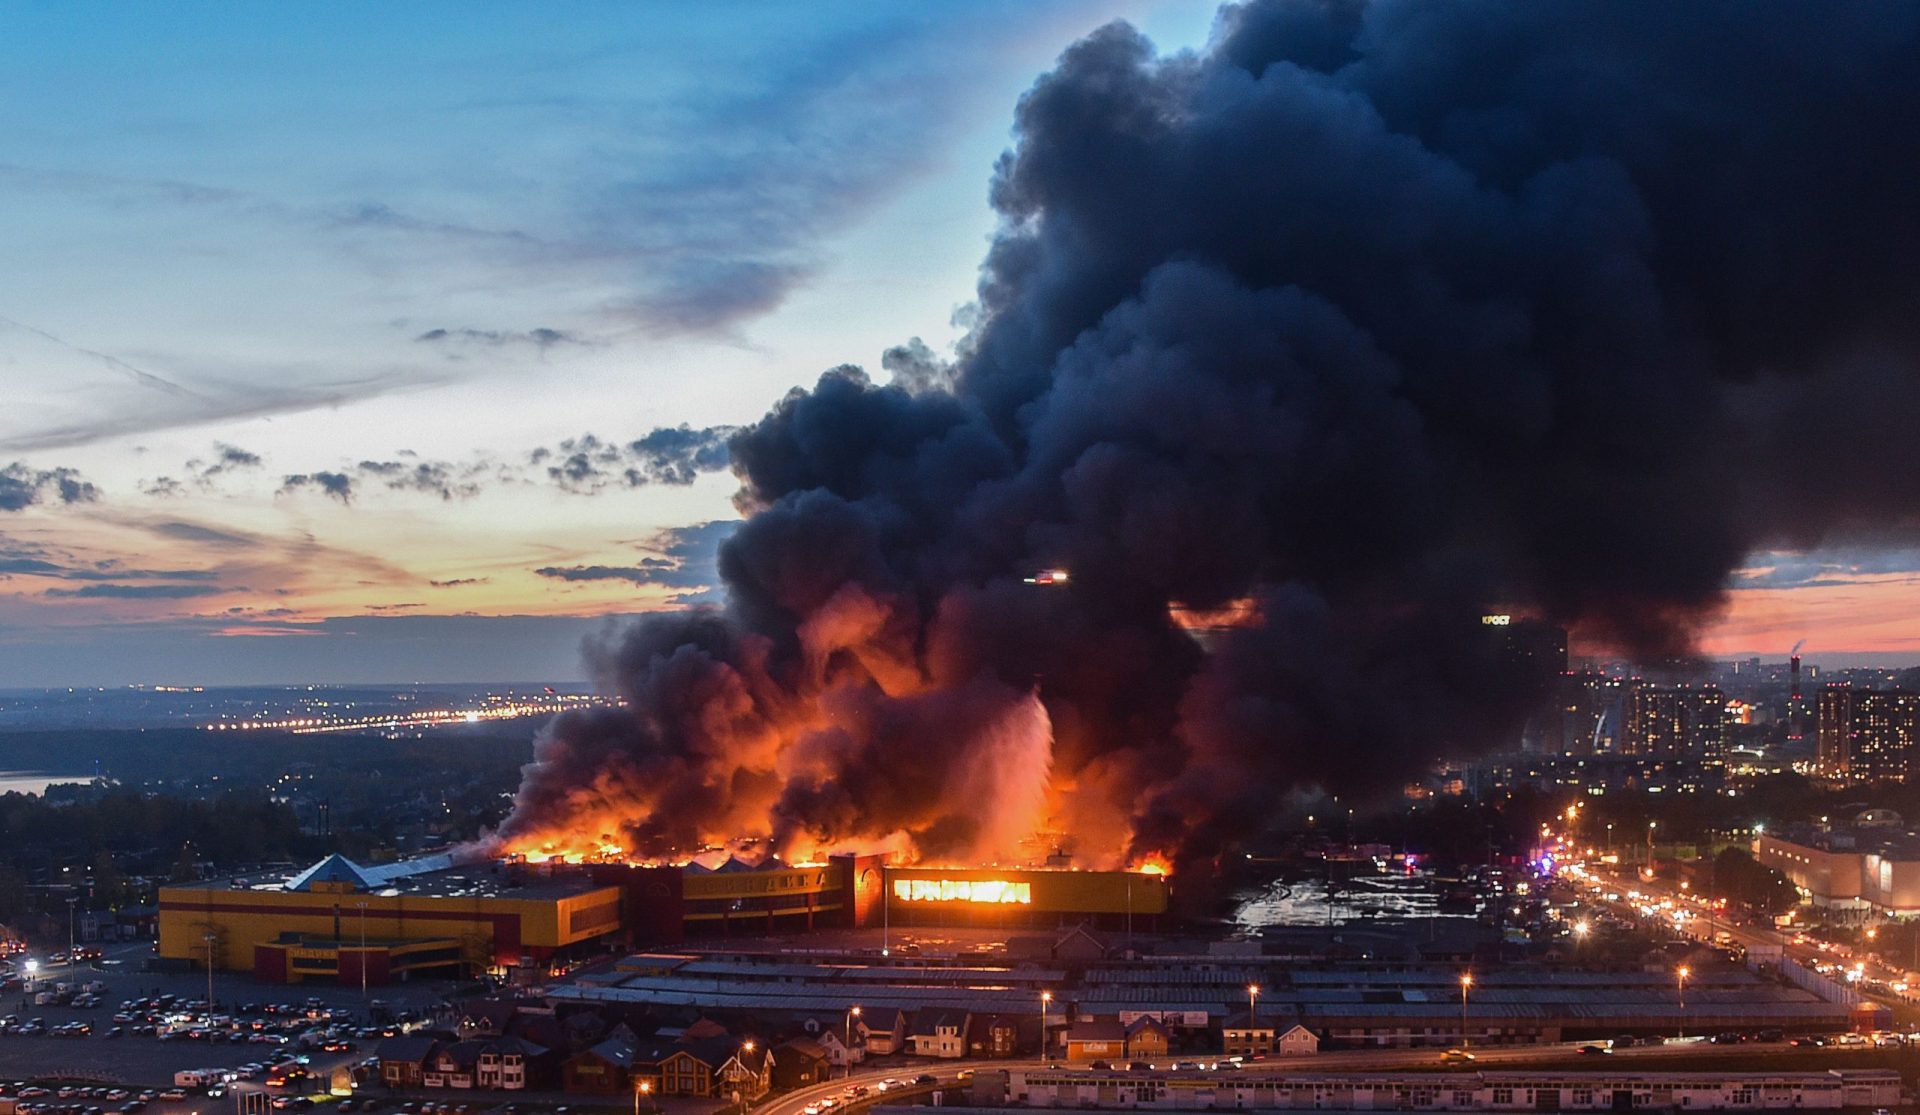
{"x":853,"y":1012}
{"x":210,"y":938}
{"x":71,"y":902}
{"x":1682,"y":973}
{"x":642,"y":1088}
{"x":1045,"y":998}
{"x":1466,"y":981}
{"x":1581,"y":929}
{"x":363,"y":951}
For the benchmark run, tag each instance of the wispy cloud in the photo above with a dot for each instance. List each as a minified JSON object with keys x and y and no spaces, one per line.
{"x":1786,"y":569}
{"x":684,"y":558}
{"x":437,"y":478}
{"x":115,"y":591}
{"x":226,"y":458}
{"x":183,"y":531}
{"x":541,"y":338}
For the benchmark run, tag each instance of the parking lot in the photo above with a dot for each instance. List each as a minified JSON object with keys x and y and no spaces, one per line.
{"x":145,"y":1060}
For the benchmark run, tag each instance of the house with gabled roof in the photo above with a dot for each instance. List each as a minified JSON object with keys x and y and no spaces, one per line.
{"x":938,"y":1033}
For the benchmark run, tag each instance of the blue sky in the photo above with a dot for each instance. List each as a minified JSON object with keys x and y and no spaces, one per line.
{"x":413,"y":246}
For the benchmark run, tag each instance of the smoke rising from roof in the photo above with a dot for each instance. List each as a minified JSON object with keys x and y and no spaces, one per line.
{"x":1375,"y":316}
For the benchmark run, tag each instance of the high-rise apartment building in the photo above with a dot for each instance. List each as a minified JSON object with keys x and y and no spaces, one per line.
{"x":1685,"y":721}
{"x":1867,"y":735}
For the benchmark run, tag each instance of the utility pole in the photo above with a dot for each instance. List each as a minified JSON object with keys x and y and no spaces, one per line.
{"x":71,"y":903}
{"x":210,"y":938}
{"x":1681,"y":974}
{"x":1045,"y":998}
{"x":363,"y":952}
{"x":1466,"y":981}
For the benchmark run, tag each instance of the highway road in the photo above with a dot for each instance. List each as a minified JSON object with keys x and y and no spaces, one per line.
{"x":1345,"y":1060}
{"x":1700,"y":926}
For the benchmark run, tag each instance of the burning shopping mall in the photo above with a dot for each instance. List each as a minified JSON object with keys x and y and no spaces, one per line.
{"x":339,"y":921}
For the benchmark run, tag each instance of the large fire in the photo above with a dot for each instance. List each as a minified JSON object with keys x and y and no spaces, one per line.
{"x":1153,"y":863}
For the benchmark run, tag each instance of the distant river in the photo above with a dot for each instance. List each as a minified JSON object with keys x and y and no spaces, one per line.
{"x":34,"y":781}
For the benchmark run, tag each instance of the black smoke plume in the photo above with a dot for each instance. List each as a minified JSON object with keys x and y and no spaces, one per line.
{"x":1363,"y":321}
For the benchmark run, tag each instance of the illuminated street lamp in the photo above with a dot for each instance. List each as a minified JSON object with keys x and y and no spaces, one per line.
{"x":1681,"y":973}
{"x":1466,"y":981}
{"x":1253,"y":994}
{"x":642,"y":1088}
{"x":1045,"y":998}
{"x":853,"y":1012}
{"x":1581,"y":929}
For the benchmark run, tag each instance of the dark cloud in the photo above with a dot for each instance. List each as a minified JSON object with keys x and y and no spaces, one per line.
{"x":137,"y":592}
{"x":39,"y":561}
{"x":114,"y":571}
{"x":226,"y":458}
{"x":685,"y":558}
{"x":915,"y":368}
{"x":459,"y":582}
{"x":1367,"y":319}
{"x":205,"y":535}
{"x":162,"y":487}
{"x":432,"y":477}
{"x":676,"y":455}
{"x":338,"y":485}
{"x":648,"y":572}
{"x":22,"y":487}
{"x":538,"y":338}
{"x":10,"y":563}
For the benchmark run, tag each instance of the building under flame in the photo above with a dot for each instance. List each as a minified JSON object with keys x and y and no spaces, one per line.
{"x":338,"y":921}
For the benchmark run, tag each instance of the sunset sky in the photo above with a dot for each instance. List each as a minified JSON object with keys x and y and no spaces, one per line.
{"x":327,"y":332}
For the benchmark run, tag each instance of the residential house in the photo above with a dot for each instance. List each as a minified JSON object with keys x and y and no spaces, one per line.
{"x":605,"y":1070}
{"x":992,"y":1035}
{"x":882,"y":1030}
{"x":831,"y":1036}
{"x":1244,"y":1036}
{"x":484,"y":1018}
{"x":403,"y":1059}
{"x":1297,"y":1041}
{"x":938,"y":1033}
{"x":512,"y":1063}
{"x":748,"y":1073}
{"x":842,"y":1055}
{"x":1148,"y":1038}
{"x":452,"y":1065}
{"x":717,"y":1067}
{"x":1080,"y":944}
{"x":585,"y":1028}
{"x":799,"y":1063}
